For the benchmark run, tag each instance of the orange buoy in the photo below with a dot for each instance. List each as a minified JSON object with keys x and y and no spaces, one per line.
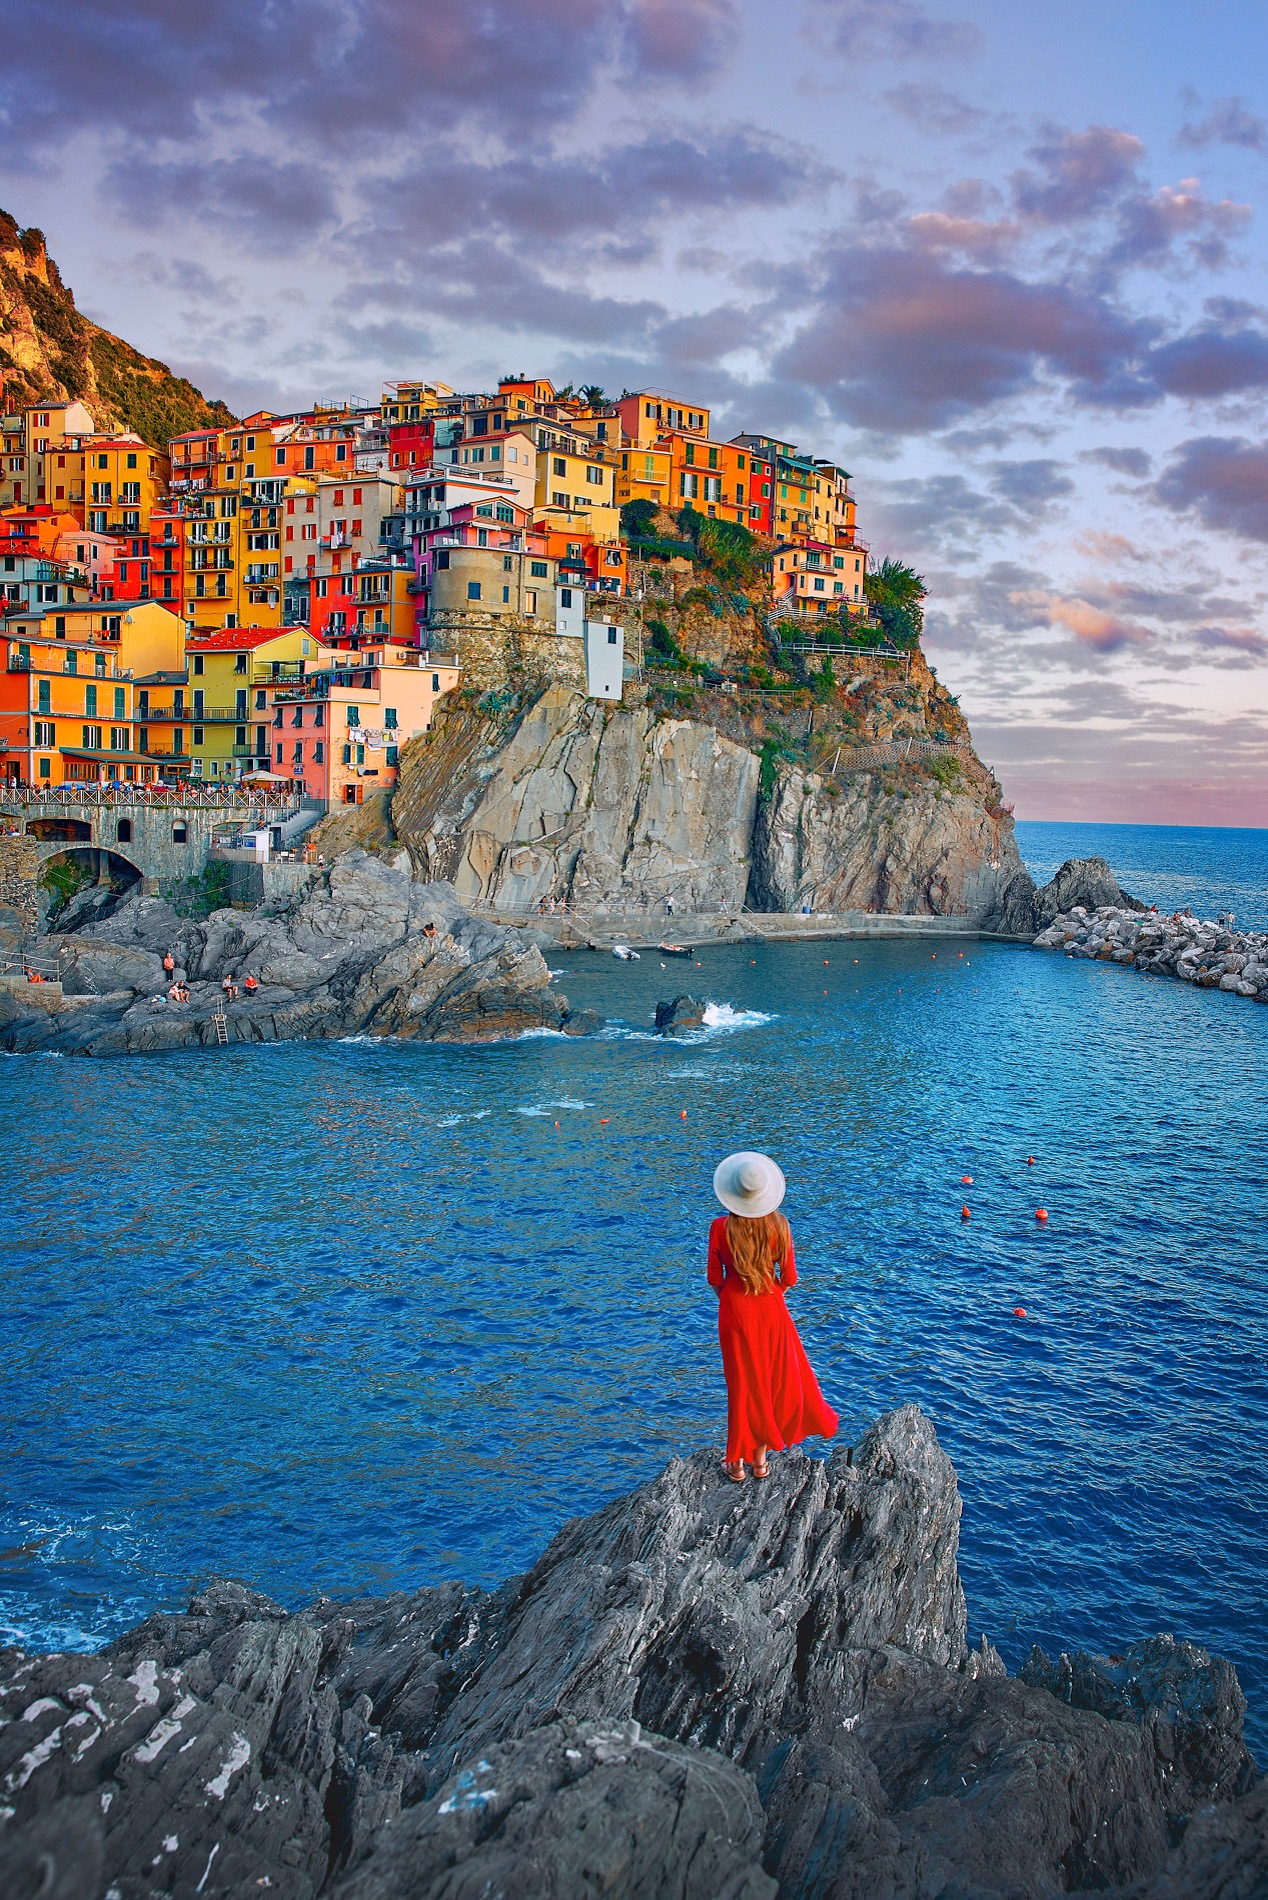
{"x":1030,"y":1161}
{"x":1041,"y":1213}
{"x":556,"y":1124}
{"x":965,"y":1214}
{"x":603,"y":1121}
{"x":1019,"y":1312}
{"x":825,"y":963}
{"x":966,"y":1180}
{"x":960,"y":954}
{"x":682,"y":1115}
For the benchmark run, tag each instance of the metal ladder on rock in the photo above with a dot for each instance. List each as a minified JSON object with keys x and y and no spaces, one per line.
{"x":222,"y":1026}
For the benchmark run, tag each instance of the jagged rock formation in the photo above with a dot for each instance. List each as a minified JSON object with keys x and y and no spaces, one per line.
{"x":363,"y":951}
{"x":49,"y":351}
{"x":608,"y":1724}
{"x":1024,"y":910}
{"x":1210,"y":955}
{"x":616,"y":808}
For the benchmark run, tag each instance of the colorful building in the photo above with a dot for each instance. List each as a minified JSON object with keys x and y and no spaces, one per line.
{"x":338,"y":731}
{"x":68,"y":691}
{"x":232,"y":672}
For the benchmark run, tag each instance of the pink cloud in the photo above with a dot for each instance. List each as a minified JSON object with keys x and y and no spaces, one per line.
{"x":1096,"y":628}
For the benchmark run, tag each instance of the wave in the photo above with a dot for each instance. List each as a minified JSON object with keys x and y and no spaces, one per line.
{"x":718,"y":1018}
{"x":473,"y":1115}
{"x":548,"y":1108}
{"x":722,"y":1016}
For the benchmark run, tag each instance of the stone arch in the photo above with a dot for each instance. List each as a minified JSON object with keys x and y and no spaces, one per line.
{"x":71,"y":829}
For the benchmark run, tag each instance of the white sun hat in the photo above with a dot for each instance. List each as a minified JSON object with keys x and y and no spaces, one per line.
{"x":749,"y":1184}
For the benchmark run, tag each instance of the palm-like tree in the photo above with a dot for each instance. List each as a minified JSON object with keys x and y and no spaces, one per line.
{"x":895,"y":592}
{"x":593,"y":395}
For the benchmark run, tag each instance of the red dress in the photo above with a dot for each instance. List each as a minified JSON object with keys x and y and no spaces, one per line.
{"x":772,"y":1395}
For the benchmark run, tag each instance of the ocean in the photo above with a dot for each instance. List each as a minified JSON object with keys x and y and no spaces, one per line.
{"x":356,"y":1316}
{"x":1198,"y":867}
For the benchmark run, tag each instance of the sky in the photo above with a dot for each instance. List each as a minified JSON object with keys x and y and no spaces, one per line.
{"x":1005,"y":262}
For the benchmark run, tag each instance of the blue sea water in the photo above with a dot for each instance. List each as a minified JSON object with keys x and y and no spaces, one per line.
{"x":348,"y":1317}
{"x":1200,"y":867}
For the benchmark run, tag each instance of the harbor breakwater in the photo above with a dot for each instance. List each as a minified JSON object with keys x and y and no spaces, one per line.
{"x":699,"y":1692}
{"x":1211,"y":955}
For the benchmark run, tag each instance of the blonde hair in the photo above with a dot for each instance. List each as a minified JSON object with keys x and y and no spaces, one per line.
{"x":758,"y":1247}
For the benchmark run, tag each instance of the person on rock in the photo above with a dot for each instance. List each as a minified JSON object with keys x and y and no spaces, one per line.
{"x":773,"y":1397}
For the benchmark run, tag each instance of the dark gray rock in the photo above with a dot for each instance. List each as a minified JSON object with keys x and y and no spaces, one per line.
{"x":574,"y":1810}
{"x":1024,"y":910}
{"x":683,"y":1012}
{"x":808,"y":1632}
{"x":365,"y":951}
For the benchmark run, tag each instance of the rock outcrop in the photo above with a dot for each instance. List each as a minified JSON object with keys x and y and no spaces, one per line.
{"x":50,"y":350}
{"x":1024,"y":908}
{"x":1212,"y":955}
{"x":619,"y":807}
{"x":364,"y":950}
{"x":680,"y":1012}
{"x":702,"y":1691}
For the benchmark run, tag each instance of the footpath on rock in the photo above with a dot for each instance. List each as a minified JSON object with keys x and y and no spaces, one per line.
{"x":702,"y":1692}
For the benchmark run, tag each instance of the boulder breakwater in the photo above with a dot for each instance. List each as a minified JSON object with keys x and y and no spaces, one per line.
{"x":698,"y":1692}
{"x":1212,"y":955}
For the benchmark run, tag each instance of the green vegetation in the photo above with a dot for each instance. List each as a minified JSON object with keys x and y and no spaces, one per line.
{"x":729,"y":551}
{"x":594,"y":395}
{"x":638,"y":519}
{"x":197,"y":897}
{"x":768,"y":771}
{"x":147,"y":397}
{"x":895,"y":592}
{"x":824,"y":682}
{"x":947,"y":772}
{"x":64,"y":878}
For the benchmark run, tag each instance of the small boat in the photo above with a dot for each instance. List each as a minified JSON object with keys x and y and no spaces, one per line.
{"x":673,"y":949}
{"x":623,"y":951}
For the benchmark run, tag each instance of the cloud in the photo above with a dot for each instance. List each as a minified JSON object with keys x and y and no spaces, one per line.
{"x":1150,"y":226}
{"x":1031,"y":487}
{"x":1238,"y":639}
{"x":1123,"y":461}
{"x":279,"y":204}
{"x":1101,"y":546}
{"x":1227,"y":122}
{"x":1105,"y":632}
{"x":934,"y":108}
{"x":680,"y":39}
{"x":903,"y":342}
{"x":1212,"y":361}
{"x":890,"y":29}
{"x":1079,"y":174}
{"x":316,"y":68}
{"x":1224,"y":481}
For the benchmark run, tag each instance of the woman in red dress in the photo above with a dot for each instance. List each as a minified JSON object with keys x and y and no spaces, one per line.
{"x":773,"y":1397}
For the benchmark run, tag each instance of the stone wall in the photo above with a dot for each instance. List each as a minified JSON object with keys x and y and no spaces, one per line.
{"x":19,"y":875}
{"x":504,"y":652}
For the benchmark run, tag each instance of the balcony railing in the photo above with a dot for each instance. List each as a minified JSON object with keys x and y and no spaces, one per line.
{"x":217,"y":715}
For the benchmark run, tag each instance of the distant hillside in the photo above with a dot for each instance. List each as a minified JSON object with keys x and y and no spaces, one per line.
{"x":49,"y":350}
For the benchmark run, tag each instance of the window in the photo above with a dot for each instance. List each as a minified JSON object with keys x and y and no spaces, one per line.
{"x":739,"y":461}
{"x":691,"y":451}
{"x":559,"y":466}
{"x":59,"y":626}
{"x":611,"y":636}
{"x":123,"y":831}
{"x":473,"y":590}
{"x":297,"y":717}
{"x":279,"y":752}
{"x":506,"y":595}
{"x":442,"y":558}
{"x":120,"y":739}
{"x":319,"y":752}
{"x":90,"y":701}
{"x":838,"y":560}
{"x":819,"y":585}
{"x":198,"y":664}
{"x":239,"y":662}
{"x":198,"y":735}
{"x":319,"y":715}
{"x":46,"y":768}
{"x":92,"y":738}
{"x":594,"y":476}
{"x":713,"y":458}
{"x":297,"y":757}
{"x":538,"y":570}
{"x":354,"y":715}
{"x":120,"y":702}
{"x":565,"y":597}
{"x":45,"y":732}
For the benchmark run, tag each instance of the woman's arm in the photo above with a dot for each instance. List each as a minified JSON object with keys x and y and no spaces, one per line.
{"x":788,"y":1267}
{"x":715,"y":1271}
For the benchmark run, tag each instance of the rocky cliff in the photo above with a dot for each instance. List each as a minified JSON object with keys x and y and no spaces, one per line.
{"x":50,"y":351}
{"x":705,"y":1692}
{"x":363,"y":951}
{"x":863,"y":793}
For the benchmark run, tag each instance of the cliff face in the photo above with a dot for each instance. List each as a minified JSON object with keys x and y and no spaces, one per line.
{"x":716,"y":800}
{"x":49,"y":351}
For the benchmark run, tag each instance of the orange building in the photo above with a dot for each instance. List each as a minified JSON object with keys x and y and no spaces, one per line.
{"x":339,"y":731}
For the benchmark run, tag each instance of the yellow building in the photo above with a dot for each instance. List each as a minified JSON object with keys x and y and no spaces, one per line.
{"x":645,"y":474}
{"x":69,"y":689}
{"x":231,"y":672}
{"x":124,"y":482}
{"x":576,"y":485}
{"x":41,"y":461}
{"x":239,"y":543}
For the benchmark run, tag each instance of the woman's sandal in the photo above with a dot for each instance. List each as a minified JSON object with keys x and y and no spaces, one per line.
{"x":762,"y":1470}
{"x":735,"y":1472}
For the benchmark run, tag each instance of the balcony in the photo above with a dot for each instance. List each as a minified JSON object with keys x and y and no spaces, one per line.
{"x":162,"y":712}
{"x":217,"y":715}
{"x":19,"y":663}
